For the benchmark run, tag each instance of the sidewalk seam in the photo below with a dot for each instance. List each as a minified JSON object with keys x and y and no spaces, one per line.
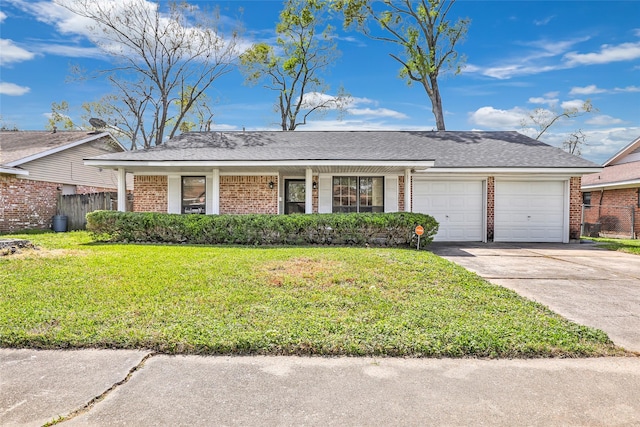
{"x":90,"y":404}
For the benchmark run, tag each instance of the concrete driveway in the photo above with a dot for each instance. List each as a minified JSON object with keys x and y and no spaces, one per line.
{"x":585,"y":284}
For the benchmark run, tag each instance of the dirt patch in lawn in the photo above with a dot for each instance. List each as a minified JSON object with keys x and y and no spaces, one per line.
{"x":302,"y":270}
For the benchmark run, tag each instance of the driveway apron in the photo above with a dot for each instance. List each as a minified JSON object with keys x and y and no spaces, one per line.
{"x":588,"y":285}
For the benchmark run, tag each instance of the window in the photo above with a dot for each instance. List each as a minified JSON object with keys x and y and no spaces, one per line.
{"x":193,"y":194}
{"x":586,"y":199}
{"x":358,"y":194}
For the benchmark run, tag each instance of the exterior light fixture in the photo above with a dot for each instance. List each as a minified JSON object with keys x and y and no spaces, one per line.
{"x":271,"y":184}
{"x":315,"y":185}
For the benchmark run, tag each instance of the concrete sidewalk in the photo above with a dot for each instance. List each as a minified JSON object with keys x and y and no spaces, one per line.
{"x":103,"y":387}
{"x":585,"y":284}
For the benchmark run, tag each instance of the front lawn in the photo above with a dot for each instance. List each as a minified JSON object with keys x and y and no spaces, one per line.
{"x":286,"y":300}
{"x":622,"y":245}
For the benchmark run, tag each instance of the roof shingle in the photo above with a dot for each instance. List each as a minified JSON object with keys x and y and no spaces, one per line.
{"x":450,"y":149}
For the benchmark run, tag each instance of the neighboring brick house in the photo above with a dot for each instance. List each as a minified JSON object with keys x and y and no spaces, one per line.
{"x":479,"y":186}
{"x":612,"y":197}
{"x":37,"y":166}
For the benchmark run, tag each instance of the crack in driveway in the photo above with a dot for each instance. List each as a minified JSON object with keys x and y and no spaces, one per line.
{"x":90,"y":404}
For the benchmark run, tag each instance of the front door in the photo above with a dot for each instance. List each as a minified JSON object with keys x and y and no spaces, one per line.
{"x":294,"y":196}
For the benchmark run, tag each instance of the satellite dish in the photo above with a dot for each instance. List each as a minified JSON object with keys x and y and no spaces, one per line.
{"x":97,"y":123}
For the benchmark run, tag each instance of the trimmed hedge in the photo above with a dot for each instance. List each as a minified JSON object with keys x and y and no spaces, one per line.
{"x":376,"y":229}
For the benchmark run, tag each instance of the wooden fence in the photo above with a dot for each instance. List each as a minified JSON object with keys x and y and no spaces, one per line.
{"x":76,"y":206}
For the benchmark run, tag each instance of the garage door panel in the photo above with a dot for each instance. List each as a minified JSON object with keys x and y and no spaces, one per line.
{"x":458,"y":206}
{"x":529,"y":211}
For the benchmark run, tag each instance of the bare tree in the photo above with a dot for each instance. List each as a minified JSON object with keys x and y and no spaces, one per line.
{"x":421,"y":29}
{"x":159,"y":58}
{"x":4,"y":126}
{"x":574,"y":142}
{"x":543,"y":119}
{"x":304,"y":49}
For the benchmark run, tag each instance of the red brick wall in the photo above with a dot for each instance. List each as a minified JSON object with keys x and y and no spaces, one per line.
{"x":315,"y":197}
{"x":150,"y":194}
{"x":491,"y":198}
{"x":401,"y":193}
{"x":575,"y":208}
{"x":611,"y":201}
{"x":26,"y":204}
{"x":248,"y":194}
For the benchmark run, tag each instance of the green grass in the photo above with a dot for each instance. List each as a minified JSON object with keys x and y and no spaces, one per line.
{"x":622,"y":245}
{"x":295,"y":300}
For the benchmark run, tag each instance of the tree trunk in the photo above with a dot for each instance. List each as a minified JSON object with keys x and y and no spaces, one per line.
{"x":436,"y":104}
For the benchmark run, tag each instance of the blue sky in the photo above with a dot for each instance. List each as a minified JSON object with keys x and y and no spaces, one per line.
{"x":521,"y":55}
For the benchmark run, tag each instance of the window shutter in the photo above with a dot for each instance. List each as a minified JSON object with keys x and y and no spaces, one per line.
{"x":325,"y":189}
{"x":174,"y":184}
{"x":391,"y":194}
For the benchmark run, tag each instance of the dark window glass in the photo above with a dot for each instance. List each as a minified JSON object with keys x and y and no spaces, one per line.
{"x":586,"y":199}
{"x":294,"y":194}
{"x":193,"y":194}
{"x":358,"y":194}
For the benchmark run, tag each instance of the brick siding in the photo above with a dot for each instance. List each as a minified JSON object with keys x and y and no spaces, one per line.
{"x":401,"y":193}
{"x":150,"y":194}
{"x":248,"y":194}
{"x":575,"y":208}
{"x":26,"y":204}
{"x":315,"y":197}
{"x":491,"y":203}
{"x":608,"y":202}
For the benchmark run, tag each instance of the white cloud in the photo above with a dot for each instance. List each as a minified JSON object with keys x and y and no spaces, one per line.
{"x":12,"y":89}
{"x":10,"y":52}
{"x":627,"y":89}
{"x":532,"y":61}
{"x":550,"y":55}
{"x":574,"y":104}
{"x":72,"y":24}
{"x":493,"y":118}
{"x":377,"y":112}
{"x":607,"y":54}
{"x":51,"y":13}
{"x":603,"y":120}
{"x":3,"y":16}
{"x":543,"y":21}
{"x":602,"y":144}
{"x":587,"y":90}
{"x":549,"y":99}
{"x":356,"y":125}
{"x":69,"y":51}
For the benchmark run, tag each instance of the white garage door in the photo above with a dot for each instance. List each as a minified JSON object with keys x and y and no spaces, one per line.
{"x":458,"y":206}
{"x":529,"y":211}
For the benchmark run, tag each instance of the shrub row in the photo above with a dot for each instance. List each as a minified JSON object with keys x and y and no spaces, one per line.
{"x":376,"y":229}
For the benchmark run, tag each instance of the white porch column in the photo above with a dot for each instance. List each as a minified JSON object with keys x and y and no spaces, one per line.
{"x":215,"y":193}
{"x":308,"y":191}
{"x":122,"y":190}
{"x":407,"y":190}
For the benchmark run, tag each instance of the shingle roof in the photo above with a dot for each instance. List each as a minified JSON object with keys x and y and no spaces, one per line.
{"x":17,"y":145}
{"x":449,"y":149}
{"x":623,"y":172}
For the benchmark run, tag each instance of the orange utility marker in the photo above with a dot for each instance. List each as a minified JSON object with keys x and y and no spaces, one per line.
{"x":419,"y":232}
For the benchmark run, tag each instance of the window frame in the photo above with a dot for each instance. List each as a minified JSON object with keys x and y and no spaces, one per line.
{"x":357,"y":206}
{"x":201,"y":208}
{"x":586,"y":195}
